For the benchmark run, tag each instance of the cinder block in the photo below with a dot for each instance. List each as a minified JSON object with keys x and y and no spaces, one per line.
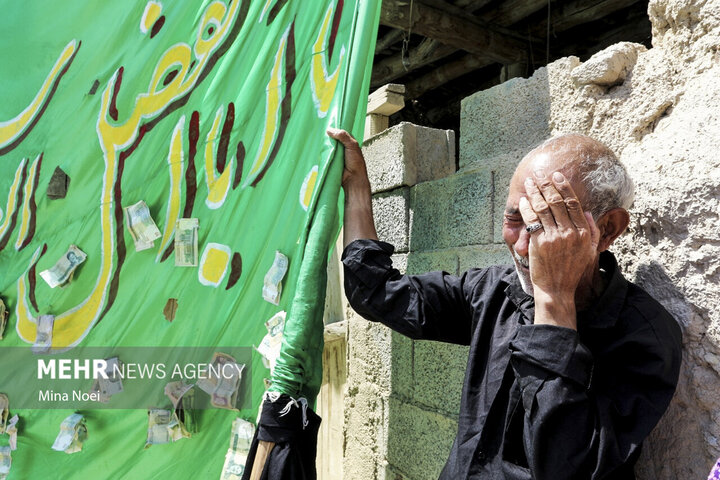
{"x":400,"y":261}
{"x":388,"y":472}
{"x":439,"y":370}
{"x":481,"y":256}
{"x":380,"y":356}
{"x":419,"y":440}
{"x":402,"y":375}
{"x":407,"y":154}
{"x":361,"y":460}
{"x":501,"y":168}
{"x":430,"y":261}
{"x":370,"y":353}
{"x":366,"y":416}
{"x":452,"y":212}
{"x":435,"y":153}
{"x":513,"y":115}
{"x":391,"y":211}
{"x":502,"y":118}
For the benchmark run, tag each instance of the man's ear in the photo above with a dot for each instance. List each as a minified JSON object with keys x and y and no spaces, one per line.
{"x":611,"y":225}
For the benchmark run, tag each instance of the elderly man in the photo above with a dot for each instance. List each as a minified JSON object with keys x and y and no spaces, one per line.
{"x":570,"y":365}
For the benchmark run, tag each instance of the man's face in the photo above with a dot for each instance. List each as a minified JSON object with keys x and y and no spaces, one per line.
{"x":513,"y":231}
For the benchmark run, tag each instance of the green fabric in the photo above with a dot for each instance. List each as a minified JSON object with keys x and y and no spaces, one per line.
{"x":62,"y":64}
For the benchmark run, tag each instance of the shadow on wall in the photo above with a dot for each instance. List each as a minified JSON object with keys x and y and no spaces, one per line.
{"x":653,"y":279}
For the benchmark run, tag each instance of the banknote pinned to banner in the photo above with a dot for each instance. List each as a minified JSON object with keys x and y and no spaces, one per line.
{"x":186,"y":242}
{"x":62,"y":271}
{"x":141,"y":226}
{"x":12,"y":430}
{"x":5,"y":461}
{"x":223,"y":381}
{"x":270,"y":346}
{"x":170,"y":309}
{"x":240,"y":439}
{"x":43,"y":340}
{"x":164,"y":427}
{"x":110,"y":384}
{"x":73,"y":434}
{"x":182,"y":398}
{"x":58,"y":185}
{"x":4,"y":412}
{"x":3,"y":318}
{"x":272,"y":286}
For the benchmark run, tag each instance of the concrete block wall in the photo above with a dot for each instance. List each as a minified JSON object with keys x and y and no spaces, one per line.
{"x":403,"y":396}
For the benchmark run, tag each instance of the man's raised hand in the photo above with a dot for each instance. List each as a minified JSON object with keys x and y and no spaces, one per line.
{"x":355,"y":169}
{"x":562,"y":251}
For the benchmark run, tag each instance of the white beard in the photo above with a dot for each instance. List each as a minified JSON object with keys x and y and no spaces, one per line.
{"x":523,"y":273}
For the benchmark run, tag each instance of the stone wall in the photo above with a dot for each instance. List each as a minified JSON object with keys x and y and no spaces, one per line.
{"x":659,"y":109}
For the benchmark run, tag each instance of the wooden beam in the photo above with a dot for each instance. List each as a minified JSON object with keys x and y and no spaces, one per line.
{"x":429,"y":50}
{"x":388,"y":69}
{"x":442,"y":75}
{"x":462,"y":32}
{"x":568,"y":15}
{"x":480,"y":22}
{"x":472,"y":5}
{"x":510,"y":12}
{"x":390,"y":38}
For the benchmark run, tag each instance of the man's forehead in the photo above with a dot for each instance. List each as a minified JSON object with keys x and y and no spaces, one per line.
{"x":542,"y":160}
{"x":548,"y":162}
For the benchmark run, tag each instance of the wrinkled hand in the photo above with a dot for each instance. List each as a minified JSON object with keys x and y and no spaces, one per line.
{"x":354,"y":161}
{"x":561,"y":252}
{"x":358,"y":220}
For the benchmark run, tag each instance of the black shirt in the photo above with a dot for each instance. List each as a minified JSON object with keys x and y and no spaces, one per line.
{"x":539,"y":401}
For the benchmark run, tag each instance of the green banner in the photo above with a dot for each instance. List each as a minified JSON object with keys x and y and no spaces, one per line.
{"x":131,"y":132}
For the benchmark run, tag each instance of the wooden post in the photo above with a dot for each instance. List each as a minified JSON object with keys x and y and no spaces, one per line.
{"x":264,"y":449}
{"x":382,"y":103}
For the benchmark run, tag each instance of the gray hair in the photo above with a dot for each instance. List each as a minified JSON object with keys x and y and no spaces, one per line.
{"x":605,"y":178}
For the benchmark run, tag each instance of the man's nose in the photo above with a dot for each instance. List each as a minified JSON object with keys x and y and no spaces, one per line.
{"x":523,"y":243}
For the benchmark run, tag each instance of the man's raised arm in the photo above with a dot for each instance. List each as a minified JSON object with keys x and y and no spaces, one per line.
{"x":359,"y":223}
{"x":431,"y":306}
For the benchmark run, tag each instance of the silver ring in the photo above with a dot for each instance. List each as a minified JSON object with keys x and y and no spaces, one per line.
{"x":534,"y":227}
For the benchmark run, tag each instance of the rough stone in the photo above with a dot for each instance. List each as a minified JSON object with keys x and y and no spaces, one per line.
{"x":452,"y":212}
{"x":391,"y":211}
{"x":673,"y":250}
{"x":608,"y":67}
{"x":407,"y":154}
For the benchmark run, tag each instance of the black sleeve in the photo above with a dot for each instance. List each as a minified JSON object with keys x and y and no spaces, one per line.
{"x":587,"y":417}
{"x":432,"y":306}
